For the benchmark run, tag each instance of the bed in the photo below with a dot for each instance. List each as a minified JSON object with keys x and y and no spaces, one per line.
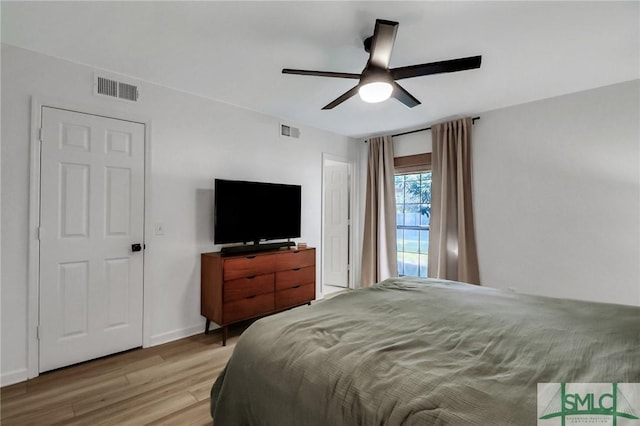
{"x":412,"y":351}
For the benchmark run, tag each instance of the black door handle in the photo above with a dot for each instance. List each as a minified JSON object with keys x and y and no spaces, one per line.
{"x":136,"y":247}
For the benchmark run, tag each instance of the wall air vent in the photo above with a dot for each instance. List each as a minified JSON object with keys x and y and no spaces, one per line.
{"x":108,"y":86}
{"x":289,"y":131}
{"x":128,"y":92}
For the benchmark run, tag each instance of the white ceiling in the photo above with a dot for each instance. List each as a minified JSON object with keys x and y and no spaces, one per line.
{"x":234,"y":51}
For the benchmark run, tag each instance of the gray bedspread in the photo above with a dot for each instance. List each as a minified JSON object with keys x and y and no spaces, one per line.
{"x":421,"y":352}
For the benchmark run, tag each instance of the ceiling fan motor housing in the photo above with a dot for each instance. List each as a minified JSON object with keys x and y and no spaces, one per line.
{"x":372,"y":74}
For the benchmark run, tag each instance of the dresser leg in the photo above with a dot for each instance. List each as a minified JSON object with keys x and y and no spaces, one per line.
{"x":224,"y":335}
{"x":206,"y":327}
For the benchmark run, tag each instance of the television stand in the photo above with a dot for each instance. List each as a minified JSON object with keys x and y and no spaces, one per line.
{"x":252,"y":248}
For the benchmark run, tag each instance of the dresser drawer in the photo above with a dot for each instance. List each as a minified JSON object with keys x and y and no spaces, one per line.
{"x":295,"y":259}
{"x":294,"y":277}
{"x":248,"y":307}
{"x":246,"y":266}
{"x":298,"y":295}
{"x":245,"y":287}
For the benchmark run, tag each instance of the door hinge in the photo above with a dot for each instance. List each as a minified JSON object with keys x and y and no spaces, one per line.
{"x":38,"y":332}
{"x":38,"y":233}
{"x":40,"y":134}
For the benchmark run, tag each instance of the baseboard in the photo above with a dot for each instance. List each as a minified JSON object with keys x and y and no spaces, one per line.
{"x":181,"y":333}
{"x":12,"y":377}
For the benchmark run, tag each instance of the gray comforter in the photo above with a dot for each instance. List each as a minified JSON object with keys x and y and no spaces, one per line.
{"x":421,"y":352}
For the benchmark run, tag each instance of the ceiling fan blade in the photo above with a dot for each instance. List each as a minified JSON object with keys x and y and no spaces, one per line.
{"x":451,"y":65}
{"x":321,"y":73}
{"x":342,"y":98}
{"x":403,"y":96}
{"x":384,"y":36}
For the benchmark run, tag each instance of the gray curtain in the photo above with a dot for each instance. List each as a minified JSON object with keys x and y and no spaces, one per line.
{"x":452,"y":243}
{"x":379,"y":243}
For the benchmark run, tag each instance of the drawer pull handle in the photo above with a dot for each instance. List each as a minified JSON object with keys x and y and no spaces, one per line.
{"x":295,"y":269}
{"x":250,"y":277}
{"x":250,"y":297}
{"x":250,"y":257}
{"x":296,"y":286}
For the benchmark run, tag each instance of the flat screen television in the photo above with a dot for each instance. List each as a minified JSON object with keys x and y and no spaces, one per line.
{"x":255,"y":211}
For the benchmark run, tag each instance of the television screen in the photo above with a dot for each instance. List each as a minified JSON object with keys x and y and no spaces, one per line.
{"x":254,"y":211}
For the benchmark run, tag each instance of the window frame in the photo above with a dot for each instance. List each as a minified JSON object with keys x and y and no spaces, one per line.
{"x":412,"y":164}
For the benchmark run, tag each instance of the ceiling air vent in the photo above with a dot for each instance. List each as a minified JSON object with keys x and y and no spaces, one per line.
{"x":105,"y":86}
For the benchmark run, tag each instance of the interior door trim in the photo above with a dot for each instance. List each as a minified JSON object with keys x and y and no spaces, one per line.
{"x":33,"y":263}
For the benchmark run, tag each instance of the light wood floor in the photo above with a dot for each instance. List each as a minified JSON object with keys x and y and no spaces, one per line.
{"x":164,"y":385}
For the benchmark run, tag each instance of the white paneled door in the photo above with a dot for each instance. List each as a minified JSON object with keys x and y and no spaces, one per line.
{"x":91,"y":216}
{"x":336,"y":224}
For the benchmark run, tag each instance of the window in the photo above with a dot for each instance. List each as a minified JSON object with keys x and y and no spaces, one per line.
{"x":413,"y":211}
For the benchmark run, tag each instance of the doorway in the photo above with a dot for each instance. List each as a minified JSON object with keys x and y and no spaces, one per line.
{"x":336,"y":224}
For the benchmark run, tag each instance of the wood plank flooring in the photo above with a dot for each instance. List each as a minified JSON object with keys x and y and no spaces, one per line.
{"x":164,"y":385}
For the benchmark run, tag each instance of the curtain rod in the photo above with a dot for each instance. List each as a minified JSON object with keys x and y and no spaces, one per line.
{"x":473,"y":120}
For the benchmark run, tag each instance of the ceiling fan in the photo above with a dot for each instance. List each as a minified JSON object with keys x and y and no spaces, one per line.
{"x":377,"y":81}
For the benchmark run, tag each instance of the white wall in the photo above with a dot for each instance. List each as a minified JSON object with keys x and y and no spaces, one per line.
{"x":193,"y":141}
{"x":557,"y":195}
{"x":412,"y":144}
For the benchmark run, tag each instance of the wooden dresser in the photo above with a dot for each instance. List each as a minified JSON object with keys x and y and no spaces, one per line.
{"x":235,"y":288}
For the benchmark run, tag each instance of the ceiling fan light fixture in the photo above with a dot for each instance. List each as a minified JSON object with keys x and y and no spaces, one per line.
{"x":376,"y":91}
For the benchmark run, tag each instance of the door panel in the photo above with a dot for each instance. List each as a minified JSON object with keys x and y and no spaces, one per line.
{"x":117,"y":199}
{"x":74,"y":289}
{"x":74,"y":200}
{"x":118,"y":285}
{"x":91,"y":211}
